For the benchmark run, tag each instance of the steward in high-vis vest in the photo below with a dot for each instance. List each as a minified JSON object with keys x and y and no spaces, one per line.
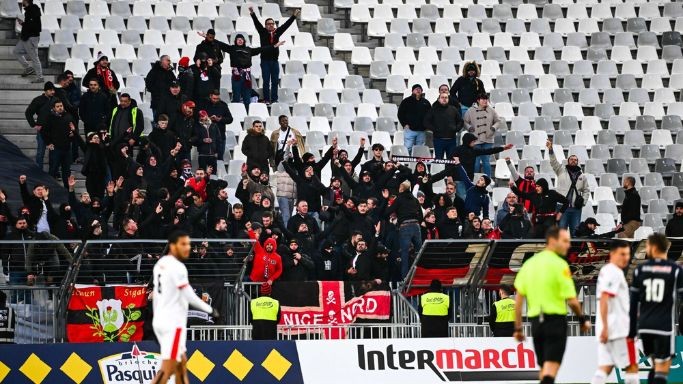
{"x":502,"y":317}
{"x":264,"y":315}
{"x":127,"y":123}
{"x":434,"y":311}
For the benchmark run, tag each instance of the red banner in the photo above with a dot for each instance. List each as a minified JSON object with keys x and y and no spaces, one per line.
{"x":325,"y":303}
{"x":106,"y":314}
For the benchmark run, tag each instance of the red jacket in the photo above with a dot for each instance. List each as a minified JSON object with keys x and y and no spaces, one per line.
{"x":198,"y":186}
{"x":494,"y":235}
{"x":266,"y":266}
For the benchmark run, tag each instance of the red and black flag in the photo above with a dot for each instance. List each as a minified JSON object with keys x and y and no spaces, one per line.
{"x":323,"y":303}
{"x":112,"y":313}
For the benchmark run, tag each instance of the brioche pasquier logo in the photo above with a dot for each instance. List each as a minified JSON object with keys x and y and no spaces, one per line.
{"x":451,"y":364}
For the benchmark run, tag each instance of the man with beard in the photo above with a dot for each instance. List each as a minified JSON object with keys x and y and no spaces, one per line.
{"x":526,"y":183}
{"x":95,"y":107}
{"x":41,"y":215}
{"x":34,"y":114}
{"x":127,"y":122}
{"x":58,"y":132}
{"x":14,"y":254}
{"x":547,"y":205}
{"x":411,"y":115}
{"x":267,"y":264}
{"x":674,"y":228}
{"x":199,"y":182}
{"x":504,"y":207}
{"x":409,"y":214}
{"x":219,"y":230}
{"x":364,"y":188}
{"x":297,"y":265}
{"x":573,"y":184}
{"x":308,"y":188}
{"x":101,"y":72}
{"x":237,"y":222}
{"x":254,"y":181}
{"x":219,"y":205}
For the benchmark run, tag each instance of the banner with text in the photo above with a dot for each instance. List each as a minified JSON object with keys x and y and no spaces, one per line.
{"x":111,"y":313}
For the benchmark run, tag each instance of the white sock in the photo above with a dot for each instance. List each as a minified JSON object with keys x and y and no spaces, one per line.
{"x":599,"y":377}
{"x":631,"y":378}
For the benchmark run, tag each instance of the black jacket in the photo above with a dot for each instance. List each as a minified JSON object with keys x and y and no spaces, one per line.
{"x":158,"y":81}
{"x":412,"y":112}
{"x":200,"y":133}
{"x":36,"y":109}
{"x":309,"y":189}
{"x":267,"y":40}
{"x":221,"y":110}
{"x":206,"y":79}
{"x":674,"y":228}
{"x":92,"y":74}
{"x":240,"y":56}
{"x":468,"y":154}
{"x":94,"y":110}
{"x":170,"y":106}
{"x":465,"y":90}
{"x":57,"y":130}
{"x":444,"y":121}
{"x":258,"y":150}
{"x":406,"y":208}
{"x":184,"y":129}
{"x":164,"y":140}
{"x":630,"y":208}
{"x":450,"y":228}
{"x":35,"y":207}
{"x":32,"y":25}
{"x":213,"y":50}
{"x":186,"y":80}
{"x":515,"y":227}
{"x":138,"y":124}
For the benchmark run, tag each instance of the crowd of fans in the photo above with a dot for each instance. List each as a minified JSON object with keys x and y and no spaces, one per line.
{"x":362,"y":226}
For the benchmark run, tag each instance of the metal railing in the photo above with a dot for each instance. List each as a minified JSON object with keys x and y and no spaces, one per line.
{"x":35,"y":315}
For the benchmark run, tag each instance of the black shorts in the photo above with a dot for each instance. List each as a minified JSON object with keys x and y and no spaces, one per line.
{"x":659,"y":347}
{"x":550,"y":337}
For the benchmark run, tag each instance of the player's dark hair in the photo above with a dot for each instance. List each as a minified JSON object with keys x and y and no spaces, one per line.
{"x":618,"y":244}
{"x":553,"y":233}
{"x":659,"y":241}
{"x":177,"y":235}
{"x":508,"y":289}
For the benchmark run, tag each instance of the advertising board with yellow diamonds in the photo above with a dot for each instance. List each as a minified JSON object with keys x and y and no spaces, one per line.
{"x":259,"y":362}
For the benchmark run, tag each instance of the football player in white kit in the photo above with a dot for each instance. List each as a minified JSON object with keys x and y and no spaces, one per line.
{"x":172,"y":296}
{"x":612,"y":325}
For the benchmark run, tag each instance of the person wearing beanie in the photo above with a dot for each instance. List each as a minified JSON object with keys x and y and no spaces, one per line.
{"x":184,"y":129}
{"x":27,"y":46}
{"x":206,"y":77}
{"x":483,"y":121}
{"x":264,"y":315}
{"x":411,"y":115}
{"x":548,"y":206}
{"x":101,"y":72}
{"x":270,"y":66}
{"x":185,"y":77}
{"x":171,"y":102}
{"x":466,"y":87}
{"x":674,"y":228}
{"x":205,"y":138}
{"x":445,"y":121}
{"x":158,"y":80}
{"x":467,"y":153}
{"x":573,"y":184}
{"x":35,"y":113}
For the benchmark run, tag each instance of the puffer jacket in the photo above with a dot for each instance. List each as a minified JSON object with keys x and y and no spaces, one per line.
{"x":286,"y":187}
{"x":444,"y":121}
{"x":483,"y":122}
{"x":564,"y":182}
{"x":258,"y":150}
{"x":466,"y":89}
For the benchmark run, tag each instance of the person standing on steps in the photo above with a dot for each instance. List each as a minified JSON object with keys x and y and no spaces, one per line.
{"x":28,"y":41}
{"x":35,"y":113}
{"x":411,"y":115}
{"x":270,"y":66}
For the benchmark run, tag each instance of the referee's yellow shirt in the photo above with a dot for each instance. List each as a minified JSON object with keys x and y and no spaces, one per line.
{"x":546,"y":282}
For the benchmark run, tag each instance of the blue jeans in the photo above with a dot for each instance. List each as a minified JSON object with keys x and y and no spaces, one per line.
{"x":286,"y":207}
{"x":40,"y":150}
{"x":270,"y":71}
{"x":61,"y":158}
{"x":571,"y":219}
{"x":463,"y":110}
{"x":240,"y":92}
{"x":444,"y":147}
{"x":483,"y":160}
{"x":409,"y":234}
{"x":411,"y":138}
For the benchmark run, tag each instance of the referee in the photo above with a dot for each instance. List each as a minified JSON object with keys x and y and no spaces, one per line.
{"x":546,"y":283}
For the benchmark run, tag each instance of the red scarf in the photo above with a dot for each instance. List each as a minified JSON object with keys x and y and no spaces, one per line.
{"x":106,"y":75}
{"x":237,"y":74}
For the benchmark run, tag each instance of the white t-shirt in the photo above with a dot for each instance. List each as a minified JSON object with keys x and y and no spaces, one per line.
{"x":170,"y":306}
{"x":283,"y":138}
{"x":611,"y":280}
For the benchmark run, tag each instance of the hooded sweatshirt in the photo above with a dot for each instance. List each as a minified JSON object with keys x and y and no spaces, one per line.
{"x":267,"y":265}
{"x":466,"y":89}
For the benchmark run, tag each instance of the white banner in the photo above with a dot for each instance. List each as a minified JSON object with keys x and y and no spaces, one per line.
{"x":433,"y":361}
